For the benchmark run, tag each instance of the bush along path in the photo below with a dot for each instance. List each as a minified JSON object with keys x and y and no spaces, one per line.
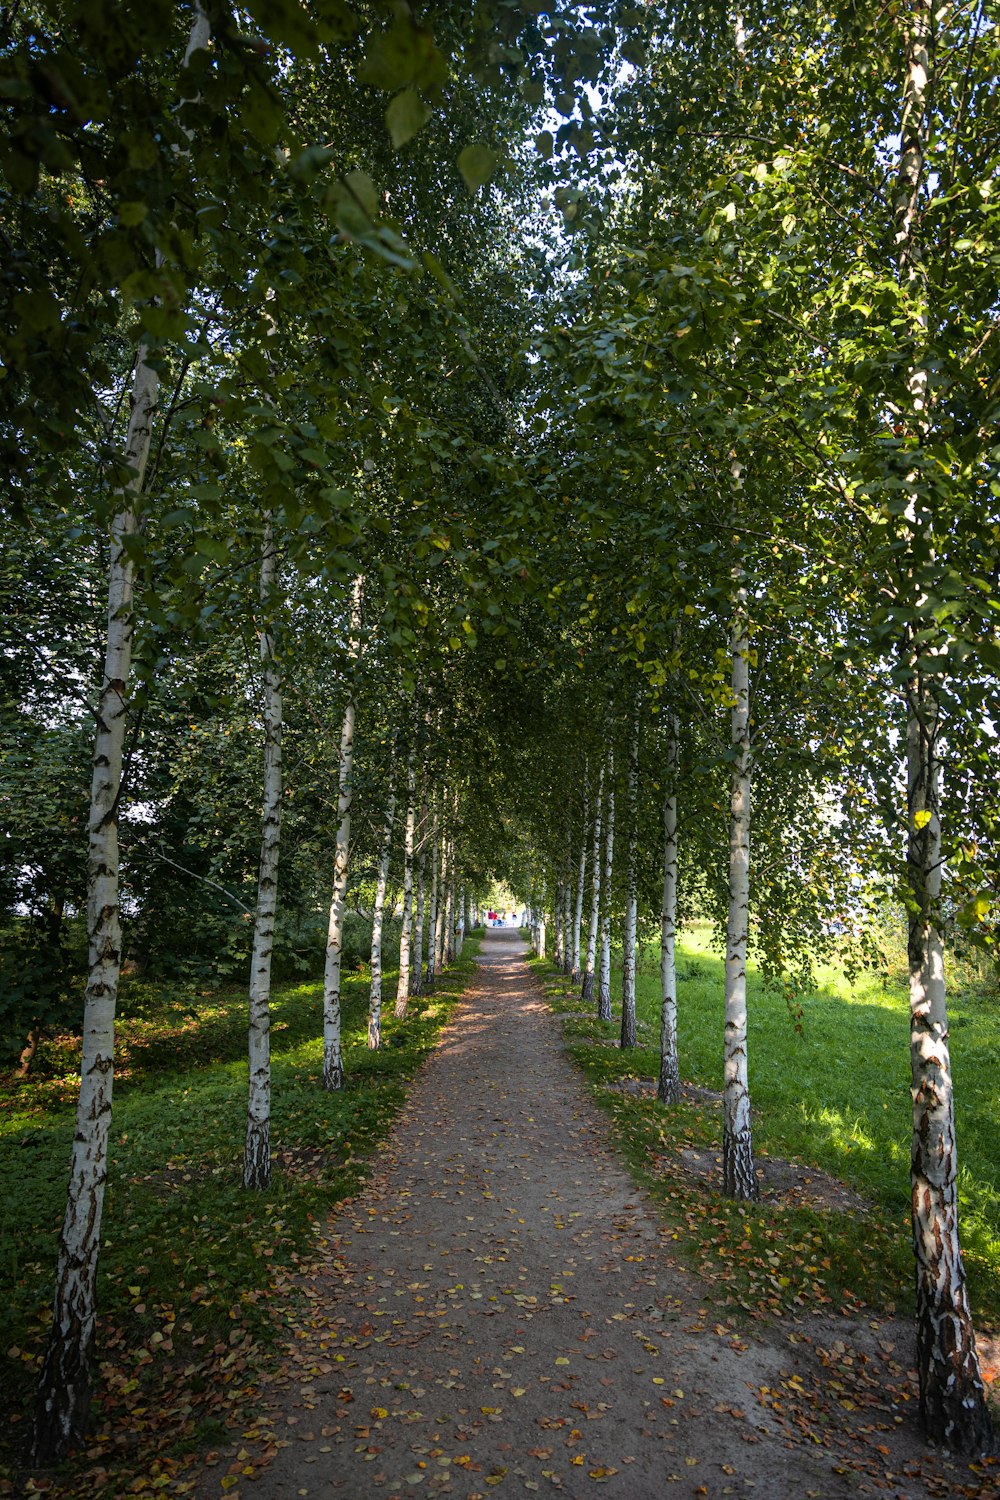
{"x":502,"y":1310}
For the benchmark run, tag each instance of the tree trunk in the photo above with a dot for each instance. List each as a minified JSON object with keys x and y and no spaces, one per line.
{"x":587,"y":988}
{"x":581,"y":881}
{"x":432,"y":915}
{"x":27,"y":1056}
{"x":403,"y":982}
{"x":669,"y":1085}
{"x":631,"y":887}
{"x":64,"y":1383}
{"x":257,"y":1147}
{"x":442,"y":910}
{"x":378,"y":918}
{"x":604,"y":973}
{"x":557,"y":924}
{"x":417,"y":957}
{"x":460,"y":925}
{"x":952,"y":1398}
{"x":333,"y":1056}
{"x":738,"y":1177}
{"x":449,"y":924}
{"x":567,"y":911}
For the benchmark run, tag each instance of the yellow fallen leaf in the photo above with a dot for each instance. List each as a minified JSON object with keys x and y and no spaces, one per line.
{"x":518,"y":1390}
{"x":562,"y":1360}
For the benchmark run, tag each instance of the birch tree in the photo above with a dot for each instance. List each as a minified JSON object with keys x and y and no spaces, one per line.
{"x":417,"y":960}
{"x":628,"y":1035}
{"x":257,"y":1148}
{"x":432,"y":909}
{"x":604,"y":972}
{"x":668,"y":1088}
{"x":378,"y":915}
{"x":952,"y":1397}
{"x":64,"y":1384}
{"x":738,"y":1175}
{"x":587,"y":988}
{"x":333,"y":1057}
{"x":403,"y":983}
{"x":581,"y":880}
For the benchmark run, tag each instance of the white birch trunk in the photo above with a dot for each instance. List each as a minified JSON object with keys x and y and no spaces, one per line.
{"x":604,"y":972}
{"x":738,"y":1175}
{"x":417,"y":957}
{"x":460,"y":927}
{"x":587,"y":988}
{"x":557,"y":925}
{"x":449,"y":925}
{"x":64,"y":1383}
{"x":257,"y":1147}
{"x":432,"y":915}
{"x":333,"y":1055}
{"x":378,"y":922}
{"x":669,"y":1084}
{"x":442,"y":910}
{"x":952,"y":1398}
{"x":631,"y":888}
{"x":580,"y":883}
{"x":403,"y":982}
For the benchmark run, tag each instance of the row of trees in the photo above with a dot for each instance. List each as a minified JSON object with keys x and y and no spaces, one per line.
{"x":660,"y":471}
{"x":775,"y":342}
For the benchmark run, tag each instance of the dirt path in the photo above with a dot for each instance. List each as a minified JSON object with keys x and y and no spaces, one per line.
{"x":500,"y":1312}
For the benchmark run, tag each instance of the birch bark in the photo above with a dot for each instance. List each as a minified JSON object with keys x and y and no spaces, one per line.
{"x":669,"y":1083}
{"x":432,"y":915}
{"x":333,"y":1056}
{"x":417,"y":959}
{"x":567,"y":911}
{"x":403,"y":982}
{"x":257,"y":1147}
{"x":557,"y":923}
{"x":587,"y":988}
{"x":604,"y":974}
{"x":738,"y":1176}
{"x":460,"y":926}
{"x":449,"y":923}
{"x":378,"y":920}
{"x":580,"y":883}
{"x":442,"y":910}
{"x":952,"y":1398}
{"x":631,"y":887}
{"x":64,"y":1383}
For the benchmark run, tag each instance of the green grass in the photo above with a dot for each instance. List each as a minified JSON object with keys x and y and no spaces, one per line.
{"x":831,"y":1093}
{"x":190,"y":1262}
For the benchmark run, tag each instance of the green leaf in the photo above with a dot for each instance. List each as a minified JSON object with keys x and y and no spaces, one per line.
{"x":477,"y":165}
{"x":364,"y":191}
{"x":405,"y":116}
{"x":545,"y":143}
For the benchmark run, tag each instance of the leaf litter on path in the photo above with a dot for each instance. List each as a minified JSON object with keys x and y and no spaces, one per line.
{"x":501,"y":1310}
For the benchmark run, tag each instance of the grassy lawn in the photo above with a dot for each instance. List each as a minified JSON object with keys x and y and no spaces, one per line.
{"x":832,"y":1093}
{"x":195,"y":1273}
